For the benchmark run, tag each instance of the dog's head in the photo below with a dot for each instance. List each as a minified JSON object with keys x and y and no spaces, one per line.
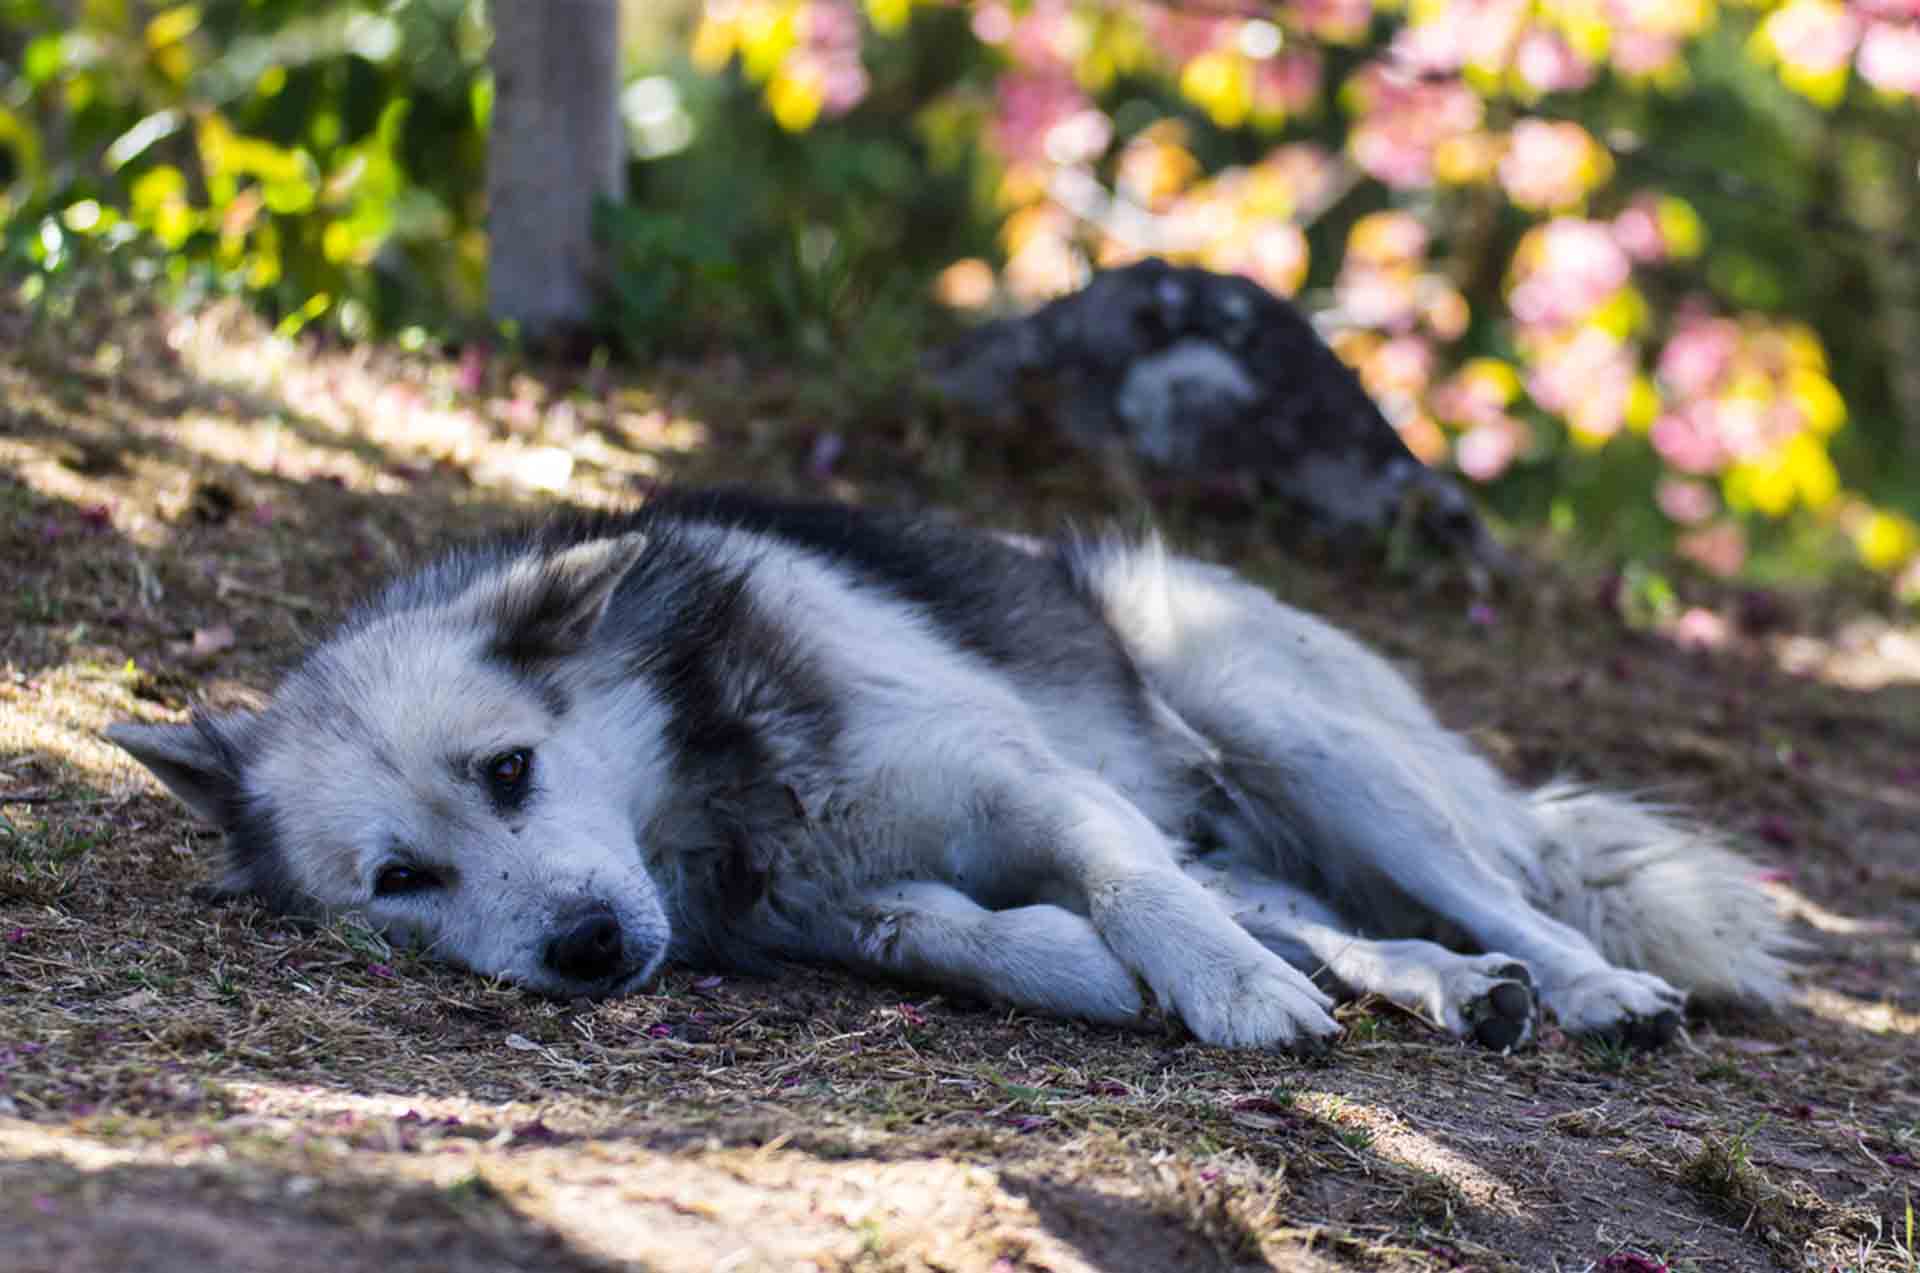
{"x":439,"y":766}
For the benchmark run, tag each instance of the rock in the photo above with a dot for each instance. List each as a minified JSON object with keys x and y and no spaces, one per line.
{"x":1197,"y":375}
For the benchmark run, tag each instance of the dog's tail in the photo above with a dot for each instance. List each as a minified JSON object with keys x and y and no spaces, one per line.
{"x":1654,"y":893}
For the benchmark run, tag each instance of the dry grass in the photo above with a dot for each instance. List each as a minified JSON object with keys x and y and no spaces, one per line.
{"x":183,"y":503}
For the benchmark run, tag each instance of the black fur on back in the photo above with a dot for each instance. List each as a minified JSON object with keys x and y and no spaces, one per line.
{"x":1016,"y":604}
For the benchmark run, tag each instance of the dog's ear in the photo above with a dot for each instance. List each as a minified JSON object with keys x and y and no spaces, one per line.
{"x":198,"y":762}
{"x":551,"y":606}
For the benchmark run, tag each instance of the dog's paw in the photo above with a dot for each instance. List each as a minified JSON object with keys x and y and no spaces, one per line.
{"x":1491,"y":1001}
{"x":1257,"y":1006}
{"x":1636,"y":1008}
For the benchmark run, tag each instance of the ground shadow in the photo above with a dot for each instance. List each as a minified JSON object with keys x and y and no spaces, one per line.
{"x":133,"y":997}
{"x":242,"y":1218}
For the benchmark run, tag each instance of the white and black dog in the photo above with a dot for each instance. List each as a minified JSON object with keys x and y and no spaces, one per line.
{"x":1084,"y":777}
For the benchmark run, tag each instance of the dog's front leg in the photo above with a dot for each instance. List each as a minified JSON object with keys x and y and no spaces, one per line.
{"x":1043,"y":958}
{"x":1070,"y":835}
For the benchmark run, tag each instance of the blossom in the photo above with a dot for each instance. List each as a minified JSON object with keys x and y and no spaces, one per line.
{"x":1402,"y":120}
{"x":1890,"y":57}
{"x":1551,"y":165}
{"x":1546,"y":63}
{"x":1564,"y":270}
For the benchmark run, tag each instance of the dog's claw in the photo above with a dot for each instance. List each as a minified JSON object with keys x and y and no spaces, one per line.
{"x":1499,"y":1033}
{"x":1503,"y":1016}
{"x":1313,"y":1047}
{"x":1511,"y":999}
{"x":1621,"y":1006}
{"x":1650,"y":1032}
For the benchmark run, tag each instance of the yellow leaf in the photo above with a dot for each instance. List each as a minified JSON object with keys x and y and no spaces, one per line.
{"x":336,"y":243}
{"x":1643,"y":404}
{"x":170,"y":26}
{"x":1820,"y":404}
{"x":1493,"y":376}
{"x":889,"y":17}
{"x":159,"y":185}
{"x":1681,"y":229}
{"x":290,"y":325}
{"x":173,"y":62}
{"x":173,"y":222}
{"x":1812,"y":472}
{"x":1587,"y":439}
{"x":766,"y":34}
{"x":1486,"y":80}
{"x":1803,"y":347}
{"x":1221,"y":83}
{"x":713,"y":43}
{"x":1885,"y":540}
{"x":1621,"y":314}
{"x":1760,"y":487}
{"x":1750,"y":386}
{"x":1822,"y":88}
{"x":795,"y":100}
{"x":1587,"y":32}
{"x":1464,"y":158}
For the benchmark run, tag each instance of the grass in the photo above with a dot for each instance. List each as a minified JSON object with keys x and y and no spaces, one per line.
{"x":199,"y":1085}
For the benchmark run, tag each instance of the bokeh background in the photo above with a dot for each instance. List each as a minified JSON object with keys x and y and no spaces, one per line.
{"x":1645,"y":272}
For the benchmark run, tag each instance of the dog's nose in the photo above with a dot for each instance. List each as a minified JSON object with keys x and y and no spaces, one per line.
{"x":588,"y":947}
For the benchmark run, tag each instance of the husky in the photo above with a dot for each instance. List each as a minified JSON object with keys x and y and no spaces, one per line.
{"x":1084,"y":777}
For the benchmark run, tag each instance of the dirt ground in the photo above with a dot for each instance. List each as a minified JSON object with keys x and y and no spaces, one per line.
{"x":184,"y":501}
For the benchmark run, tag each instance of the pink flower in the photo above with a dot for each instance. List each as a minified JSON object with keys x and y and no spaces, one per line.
{"x":1586,"y":378}
{"x":1637,"y":52}
{"x":1374,"y":298}
{"x":1404,"y":120}
{"x":1450,"y":36}
{"x":1182,"y":37}
{"x":1468,"y":400}
{"x":1814,"y":35}
{"x":1700,"y":629}
{"x":1548,"y":63}
{"x":1721,"y":549}
{"x":1566,"y":268}
{"x":1698,"y":352}
{"x":1487,"y":450}
{"x":1043,"y":39}
{"x":1400,"y":367}
{"x":1338,"y":21}
{"x":832,"y":55}
{"x":1289,"y":83}
{"x":1686,"y":501}
{"x":1030,"y":105}
{"x":1890,"y":57}
{"x":1688,"y":440}
{"x":1637,"y":231}
{"x":992,"y":22}
{"x":1547,"y":164}
{"x":1277,"y":258}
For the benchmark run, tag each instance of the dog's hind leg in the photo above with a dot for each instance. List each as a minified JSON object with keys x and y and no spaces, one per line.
{"x":1486,"y":998}
{"x":1353,"y":784}
{"x":1043,"y":958}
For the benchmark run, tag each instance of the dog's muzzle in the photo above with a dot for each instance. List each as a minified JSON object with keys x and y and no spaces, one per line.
{"x":591,"y":951}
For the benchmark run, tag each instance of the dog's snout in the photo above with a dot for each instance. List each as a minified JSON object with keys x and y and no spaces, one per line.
{"x":589,"y":945}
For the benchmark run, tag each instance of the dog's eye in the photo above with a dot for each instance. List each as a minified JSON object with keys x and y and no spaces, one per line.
{"x":507,"y":775}
{"x":398,"y":881}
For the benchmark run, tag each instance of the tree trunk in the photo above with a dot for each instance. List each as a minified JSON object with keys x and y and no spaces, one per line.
{"x":556,"y":147}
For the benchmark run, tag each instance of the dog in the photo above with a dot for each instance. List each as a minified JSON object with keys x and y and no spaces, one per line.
{"x":1084,"y":776}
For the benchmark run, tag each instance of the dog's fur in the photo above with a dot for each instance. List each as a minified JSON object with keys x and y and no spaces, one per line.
{"x":1085,"y":777}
